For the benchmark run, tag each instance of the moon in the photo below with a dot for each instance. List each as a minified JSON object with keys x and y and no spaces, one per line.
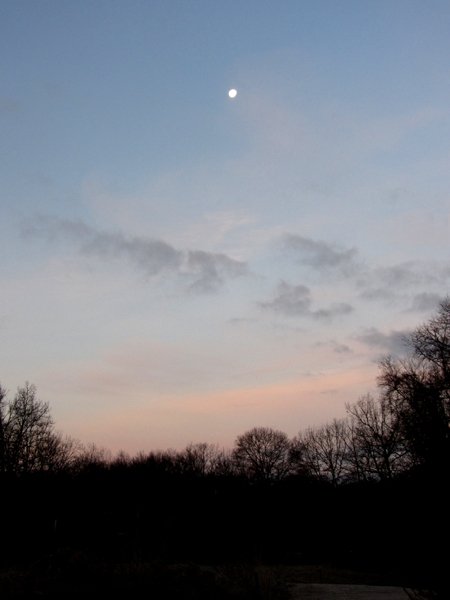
{"x":232,"y":93}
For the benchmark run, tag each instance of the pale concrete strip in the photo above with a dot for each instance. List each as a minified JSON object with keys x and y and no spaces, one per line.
{"x":331,"y":591}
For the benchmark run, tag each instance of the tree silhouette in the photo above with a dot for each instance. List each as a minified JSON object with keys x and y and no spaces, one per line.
{"x":417,"y":390}
{"x":375,"y":443}
{"x":263,"y":453}
{"x":431,"y":343}
{"x":323,"y":450}
{"x":3,"y":419}
{"x":198,"y":459}
{"x":28,"y":441}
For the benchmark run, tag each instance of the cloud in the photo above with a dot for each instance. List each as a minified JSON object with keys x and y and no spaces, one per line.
{"x":291,"y":300}
{"x":211,"y":269}
{"x":404,"y":274}
{"x":378,"y":293}
{"x":342,"y":349}
{"x":393,"y":282}
{"x":241,"y":320}
{"x":386,"y":283}
{"x":425,"y":302}
{"x":335,"y":346}
{"x":320,"y":255}
{"x":334,"y":310}
{"x":207,"y":271}
{"x":295,"y":300}
{"x":393,"y":342}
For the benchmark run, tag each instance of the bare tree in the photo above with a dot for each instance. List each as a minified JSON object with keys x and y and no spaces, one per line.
{"x":417,"y":390}
{"x":3,"y":421}
{"x":62,"y":452}
{"x":375,"y":443}
{"x":431,"y":341}
{"x":419,"y":402}
{"x":224,"y":464}
{"x":200,"y":458}
{"x":263,"y":453}
{"x":28,"y":432}
{"x":431,"y":345}
{"x":28,"y":441}
{"x":324,"y":450}
{"x":92,"y":456}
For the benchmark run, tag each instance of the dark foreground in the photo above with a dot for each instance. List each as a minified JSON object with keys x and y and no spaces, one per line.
{"x":74,"y":576}
{"x":131,"y":533}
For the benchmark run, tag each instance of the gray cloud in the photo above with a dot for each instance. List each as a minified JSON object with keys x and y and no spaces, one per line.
{"x":404,"y":274}
{"x":335,"y":346}
{"x":425,"y":302}
{"x":242,"y":320}
{"x":393,"y":342}
{"x":207,"y":271}
{"x":152,"y":256}
{"x":321,"y":255}
{"x":291,"y":300}
{"x":378,"y":294}
{"x":389,"y":283}
{"x":295,"y":300}
{"x":342,"y":349}
{"x":334,"y":310}
{"x":210,"y":270}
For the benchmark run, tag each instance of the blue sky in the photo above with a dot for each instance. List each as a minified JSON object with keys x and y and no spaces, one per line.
{"x":177,"y":266}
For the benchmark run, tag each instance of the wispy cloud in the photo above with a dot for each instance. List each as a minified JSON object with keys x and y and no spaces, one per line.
{"x":393,"y":342}
{"x":210,"y":270}
{"x":290,"y":300}
{"x":413,"y":283}
{"x":206,"y":271}
{"x":410,"y":285}
{"x":337,"y":347}
{"x":342,"y":349}
{"x":391,"y":282}
{"x":334,"y":310}
{"x":295,"y":301}
{"x":404,"y":274}
{"x":320,"y":255}
{"x":425,"y":302}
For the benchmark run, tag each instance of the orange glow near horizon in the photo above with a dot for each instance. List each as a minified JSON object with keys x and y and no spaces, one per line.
{"x":175,"y":420}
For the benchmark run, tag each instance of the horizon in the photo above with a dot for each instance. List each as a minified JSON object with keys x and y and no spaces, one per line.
{"x":179,"y":266}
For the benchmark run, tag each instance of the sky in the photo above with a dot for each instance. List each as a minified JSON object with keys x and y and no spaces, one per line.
{"x":177,"y":266}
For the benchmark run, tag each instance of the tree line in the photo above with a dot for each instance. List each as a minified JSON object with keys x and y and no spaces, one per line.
{"x":402,"y":429}
{"x":368,"y":491}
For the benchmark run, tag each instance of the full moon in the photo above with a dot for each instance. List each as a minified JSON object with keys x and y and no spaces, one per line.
{"x":232,"y":93}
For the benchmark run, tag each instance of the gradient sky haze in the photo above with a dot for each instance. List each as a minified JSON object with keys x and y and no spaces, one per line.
{"x":177,"y":266}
